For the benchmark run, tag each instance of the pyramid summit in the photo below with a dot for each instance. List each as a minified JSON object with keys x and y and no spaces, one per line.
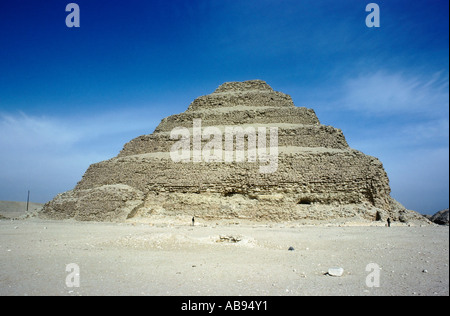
{"x":244,"y":151}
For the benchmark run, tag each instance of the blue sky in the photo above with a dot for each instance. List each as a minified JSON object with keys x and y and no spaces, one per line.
{"x":70,"y":97}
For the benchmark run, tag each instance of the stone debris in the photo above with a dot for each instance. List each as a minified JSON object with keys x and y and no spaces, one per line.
{"x":229,"y":238}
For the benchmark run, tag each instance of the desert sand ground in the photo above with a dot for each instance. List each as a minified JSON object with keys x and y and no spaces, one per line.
{"x":219,"y":258}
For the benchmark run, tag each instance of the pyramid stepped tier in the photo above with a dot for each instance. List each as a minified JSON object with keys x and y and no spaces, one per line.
{"x":288,"y":135}
{"x":321,"y":176}
{"x":255,"y":93}
{"x":240,"y":116}
{"x":237,"y":86}
{"x":241,"y":99}
{"x":316,"y":175}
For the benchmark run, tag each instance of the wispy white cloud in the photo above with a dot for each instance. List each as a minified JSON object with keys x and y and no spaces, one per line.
{"x":409,"y":111}
{"x":21,"y":130}
{"x":26,"y":131}
{"x":389,"y":93}
{"x":432,"y":132}
{"x":50,"y":154}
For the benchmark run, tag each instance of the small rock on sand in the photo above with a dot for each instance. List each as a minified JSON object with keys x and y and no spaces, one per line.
{"x":336,"y":272}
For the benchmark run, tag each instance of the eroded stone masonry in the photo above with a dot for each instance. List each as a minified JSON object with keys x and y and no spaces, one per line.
{"x":318,"y":177}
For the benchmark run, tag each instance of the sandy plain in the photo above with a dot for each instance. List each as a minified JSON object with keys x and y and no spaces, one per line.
{"x":225,"y":258}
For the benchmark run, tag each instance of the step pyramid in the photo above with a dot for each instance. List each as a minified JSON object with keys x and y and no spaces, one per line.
{"x":244,"y":151}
